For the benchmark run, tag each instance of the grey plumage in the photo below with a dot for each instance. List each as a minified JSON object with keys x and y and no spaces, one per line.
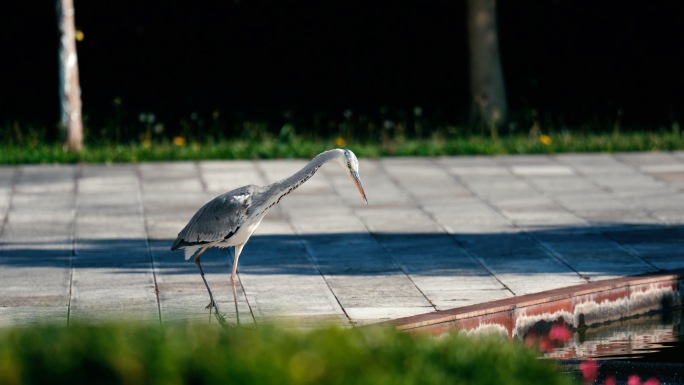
{"x":231,"y":218}
{"x":219,"y":219}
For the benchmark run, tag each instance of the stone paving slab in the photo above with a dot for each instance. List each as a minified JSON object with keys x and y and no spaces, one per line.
{"x":91,"y":242}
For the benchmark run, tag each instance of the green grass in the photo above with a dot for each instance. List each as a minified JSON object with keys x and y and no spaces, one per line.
{"x":300,"y":147}
{"x":202,"y":354}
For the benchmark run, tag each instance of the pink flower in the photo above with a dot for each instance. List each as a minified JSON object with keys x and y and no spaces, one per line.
{"x":546,"y":346}
{"x":610,"y":380}
{"x":652,"y":381}
{"x":560,"y":333}
{"x":633,"y":380}
{"x":589,"y":370}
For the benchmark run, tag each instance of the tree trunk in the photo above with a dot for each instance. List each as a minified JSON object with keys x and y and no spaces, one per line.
{"x":489,"y":108}
{"x":69,"y":87}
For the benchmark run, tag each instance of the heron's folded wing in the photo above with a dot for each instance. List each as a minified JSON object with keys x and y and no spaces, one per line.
{"x":217,"y":220}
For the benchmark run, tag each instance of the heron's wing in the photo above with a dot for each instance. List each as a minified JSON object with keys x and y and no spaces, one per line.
{"x":217,"y":220}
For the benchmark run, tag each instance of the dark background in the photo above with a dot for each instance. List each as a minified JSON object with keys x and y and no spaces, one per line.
{"x":575,"y":62}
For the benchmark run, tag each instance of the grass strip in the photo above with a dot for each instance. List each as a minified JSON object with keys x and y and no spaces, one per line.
{"x":300,"y":147}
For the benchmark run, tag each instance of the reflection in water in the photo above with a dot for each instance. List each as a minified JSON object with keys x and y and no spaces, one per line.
{"x":655,"y":337}
{"x":644,"y":350}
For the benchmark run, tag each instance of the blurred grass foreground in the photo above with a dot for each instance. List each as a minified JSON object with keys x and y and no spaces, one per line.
{"x":205,"y":354}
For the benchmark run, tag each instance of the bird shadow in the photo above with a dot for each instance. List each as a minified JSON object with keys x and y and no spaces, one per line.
{"x":604,"y":249}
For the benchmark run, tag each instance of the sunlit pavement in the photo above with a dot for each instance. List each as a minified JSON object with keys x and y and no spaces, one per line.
{"x":92,"y":242}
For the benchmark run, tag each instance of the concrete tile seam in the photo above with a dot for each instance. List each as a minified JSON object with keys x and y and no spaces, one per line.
{"x":309,"y":253}
{"x":141,"y":210}
{"x":388,"y":252}
{"x":612,"y":192}
{"x":496,"y":209}
{"x":470,"y":255}
{"x":556,"y":201}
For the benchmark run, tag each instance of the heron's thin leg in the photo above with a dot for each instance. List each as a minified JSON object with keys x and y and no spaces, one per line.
{"x":237,"y":313}
{"x":233,"y":279}
{"x":217,"y":313}
{"x":199,"y":266}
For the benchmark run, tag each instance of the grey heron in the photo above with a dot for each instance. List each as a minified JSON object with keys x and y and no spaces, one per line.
{"x":231,"y":218}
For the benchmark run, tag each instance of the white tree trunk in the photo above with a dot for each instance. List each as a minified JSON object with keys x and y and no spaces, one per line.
{"x":69,"y":87}
{"x":486,"y":76}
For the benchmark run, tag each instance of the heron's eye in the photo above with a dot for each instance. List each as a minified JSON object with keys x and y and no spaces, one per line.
{"x":349,"y":164}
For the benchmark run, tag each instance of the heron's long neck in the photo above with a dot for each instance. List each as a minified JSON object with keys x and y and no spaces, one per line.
{"x":281,"y":188}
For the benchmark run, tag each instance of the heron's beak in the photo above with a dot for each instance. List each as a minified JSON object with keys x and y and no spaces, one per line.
{"x":357,"y":181}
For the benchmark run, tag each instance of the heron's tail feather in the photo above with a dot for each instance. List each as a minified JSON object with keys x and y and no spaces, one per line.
{"x":189,"y":252}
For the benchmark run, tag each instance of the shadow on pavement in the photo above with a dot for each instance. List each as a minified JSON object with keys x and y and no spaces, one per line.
{"x":606,"y":249}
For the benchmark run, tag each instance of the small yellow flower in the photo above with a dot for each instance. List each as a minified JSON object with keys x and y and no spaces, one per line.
{"x":79,"y":35}
{"x":545,"y":139}
{"x":147,"y":143}
{"x":179,"y":141}
{"x":340,"y":142}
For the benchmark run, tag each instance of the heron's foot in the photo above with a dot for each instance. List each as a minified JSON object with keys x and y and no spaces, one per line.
{"x":212,"y":303}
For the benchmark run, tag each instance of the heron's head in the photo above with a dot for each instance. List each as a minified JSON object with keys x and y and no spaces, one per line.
{"x":351,"y":164}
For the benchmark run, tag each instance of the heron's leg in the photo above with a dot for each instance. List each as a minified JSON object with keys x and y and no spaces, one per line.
{"x":199,"y":267}
{"x":233,"y":279}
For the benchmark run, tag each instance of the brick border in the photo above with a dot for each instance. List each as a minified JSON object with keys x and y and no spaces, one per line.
{"x":582,"y":305}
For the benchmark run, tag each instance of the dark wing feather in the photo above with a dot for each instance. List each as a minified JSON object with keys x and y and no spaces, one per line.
{"x":217,"y":220}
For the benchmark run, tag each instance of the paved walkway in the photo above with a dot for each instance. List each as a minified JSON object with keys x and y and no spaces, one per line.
{"x":91,"y":242}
